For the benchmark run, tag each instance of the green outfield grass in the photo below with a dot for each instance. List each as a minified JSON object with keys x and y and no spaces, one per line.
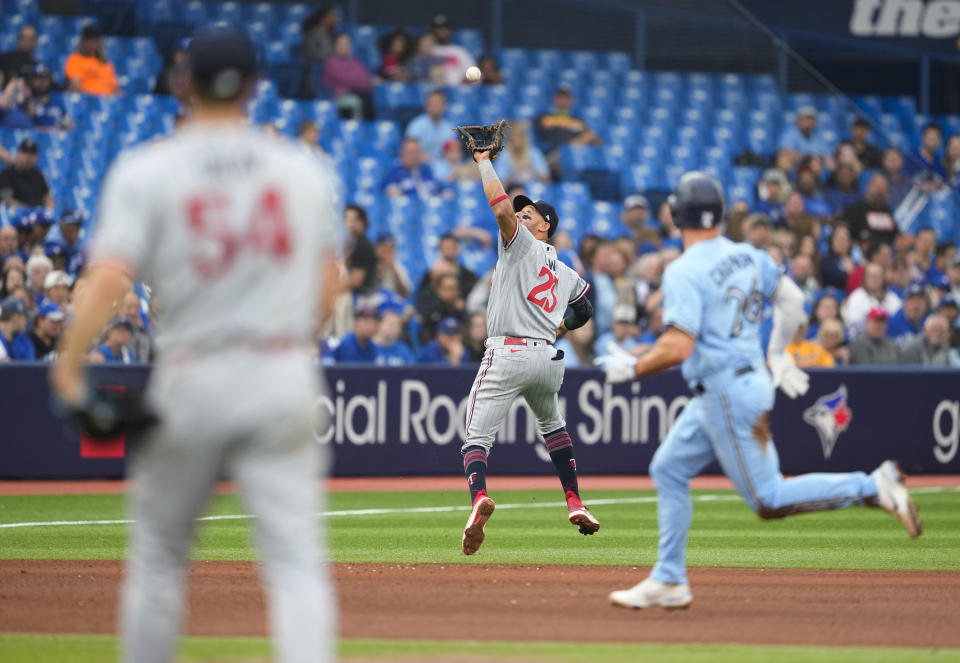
{"x":528,"y":527}
{"x":97,"y":648}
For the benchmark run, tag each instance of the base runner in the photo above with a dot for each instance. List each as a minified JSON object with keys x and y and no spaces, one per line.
{"x":713,"y":300}
{"x":530,"y":292}
{"x":231,"y":226}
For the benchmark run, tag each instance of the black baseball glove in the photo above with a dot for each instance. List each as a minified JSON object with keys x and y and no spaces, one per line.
{"x":484,"y":138}
{"x":106,"y":413}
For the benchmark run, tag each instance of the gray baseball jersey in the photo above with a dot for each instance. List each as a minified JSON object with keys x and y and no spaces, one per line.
{"x":229,"y":226}
{"x":531,"y":289}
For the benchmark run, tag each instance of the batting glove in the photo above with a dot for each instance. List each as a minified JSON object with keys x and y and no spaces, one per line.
{"x":619,"y":365}
{"x":787,"y":376}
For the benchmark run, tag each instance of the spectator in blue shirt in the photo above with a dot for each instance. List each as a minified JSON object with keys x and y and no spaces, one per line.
{"x":771,"y":194}
{"x":46,"y":111}
{"x":813,"y":201}
{"x":357,"y":347}
{"x":447,"y":348}
{"x":17,"y":345}
{"x":804,"y":137}
{"x":389,"y":349}
{"x":14,"y":96}
{"x":114,"y":347}
{"x":843,"y":188}
{"x":925,"y":165}
{"x":432,"y":128}
{"x":907,"y":323}
{"x":71,"y":222}
{"x":411,"y":176}
{"x":623,"y":332}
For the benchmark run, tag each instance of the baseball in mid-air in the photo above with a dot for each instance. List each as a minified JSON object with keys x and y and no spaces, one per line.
{"x":473,"y":74}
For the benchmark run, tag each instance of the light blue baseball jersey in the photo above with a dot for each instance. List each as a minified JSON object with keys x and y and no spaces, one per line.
{"x":715,"y":292}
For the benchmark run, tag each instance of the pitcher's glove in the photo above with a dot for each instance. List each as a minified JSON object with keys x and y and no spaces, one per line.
{"x":484,"y":138}
{"x":106,"y":413}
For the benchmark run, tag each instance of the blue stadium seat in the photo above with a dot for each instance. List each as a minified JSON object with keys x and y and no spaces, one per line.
{"x":470,"y":39}
{"x":583,"y":61}
{"x":260,"y":11}
{"x":616,"y":62}
{"x":549,"y":59}
{"x":513,"y":60}
{"x":195,"y":12}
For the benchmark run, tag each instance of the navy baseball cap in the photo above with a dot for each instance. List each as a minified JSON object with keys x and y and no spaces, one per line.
{"x":121,"y":322}
{"x":42,"y":217}
{"x":449,"y":326}
{"x":54,"y":248}
{"x":51,"y":311}
{"x":41,"y":70}
{"x":71,"y":216}
{"x":12,"y":306}
{"x":947,"y":300}
{"x":222,"y":60}
{"x":546,"y":211}
{"x":914,"y":289}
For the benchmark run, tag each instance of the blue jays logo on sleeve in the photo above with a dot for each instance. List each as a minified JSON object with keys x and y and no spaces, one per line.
{"x":830,"y":415}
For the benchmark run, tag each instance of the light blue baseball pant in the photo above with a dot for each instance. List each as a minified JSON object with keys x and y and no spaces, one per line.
{"x":723,"y":424}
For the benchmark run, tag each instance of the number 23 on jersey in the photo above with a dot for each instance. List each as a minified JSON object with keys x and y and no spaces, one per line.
{"x":209,"y":216}
{"x":544,"y":294}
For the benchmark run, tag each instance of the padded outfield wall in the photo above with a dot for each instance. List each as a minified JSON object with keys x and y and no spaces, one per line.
{"x":402,"y":422}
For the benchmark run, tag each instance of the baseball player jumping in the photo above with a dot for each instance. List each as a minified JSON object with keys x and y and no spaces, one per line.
{"x":529,"y":294}
{"x":232,"y":228}
{"x":713,"y":299}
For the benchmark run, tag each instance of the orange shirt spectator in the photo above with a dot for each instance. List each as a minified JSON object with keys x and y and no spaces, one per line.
{"x":810,"y":353}
{"x":87,"y":70}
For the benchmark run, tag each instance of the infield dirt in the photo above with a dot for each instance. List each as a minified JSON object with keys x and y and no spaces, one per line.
{"x":522,"y":603}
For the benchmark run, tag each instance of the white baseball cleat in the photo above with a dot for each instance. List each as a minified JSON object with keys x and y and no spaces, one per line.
{"x":473,"y":534}
{"x":894,"y":498}
{"x":651,"y":593}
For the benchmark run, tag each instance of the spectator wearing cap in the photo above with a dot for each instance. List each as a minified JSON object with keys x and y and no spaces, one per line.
{"x":47,"y":111}
{"x":454,"y":166}
{"x":636,"y":214}
{"x":560,"y":127}
{"x":22,"y":184}
{"x":391,"y":274}
{"x":757,"y":229}
{"x":141,"y":344}
{"x":772,"y":193}
{"x":357,"y":347}
{"x":57,"y":253}
{"x":803,"y":138}
{"x":348,"y":80}
{"x":447,"y":348}
{"x":837,"y":265}
{"x":388,"y":348}
{"x":522,"y":161}
{"x":14,"y":316}
{"x":872,"y":346}
{"x":439,"y":299}
{"x":949,"y":308}
{"x":870,"y":218}
{"x":623,"y":331}
{"x":411,"y":175}
{"x":71,"y":223}
{"x":20,"y":61}
{"x":361,"y":262}
{"x":871,"y":295}
{"x":431,"y":129}
{"x":925,"y":165}
{"x":38,"y":268}
{"x":456,"y":59}
{"x":808,"y":352}
{"x":37,"y":228}
{"x":46,"y":332}
{"x":87,"y":69}
{"x":907,"y":323}
{"x":174,"y":77}
{"x":56,"y":289}
{"x":114,"y":347}
{"x":932,"y":347}
{"x":867,"y":153}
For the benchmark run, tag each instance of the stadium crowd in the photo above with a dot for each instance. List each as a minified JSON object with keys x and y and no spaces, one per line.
{"x":831,"y":214}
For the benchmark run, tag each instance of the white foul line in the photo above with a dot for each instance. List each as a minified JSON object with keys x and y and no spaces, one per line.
{"x":709,"y":497}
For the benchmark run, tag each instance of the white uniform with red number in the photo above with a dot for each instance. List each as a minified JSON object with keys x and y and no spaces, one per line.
{"x":529,"y":295}
{"x":229,"y":226}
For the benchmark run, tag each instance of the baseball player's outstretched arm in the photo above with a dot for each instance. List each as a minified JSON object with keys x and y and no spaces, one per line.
{"x":672,"y":348}
{"x":500,"y":202}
